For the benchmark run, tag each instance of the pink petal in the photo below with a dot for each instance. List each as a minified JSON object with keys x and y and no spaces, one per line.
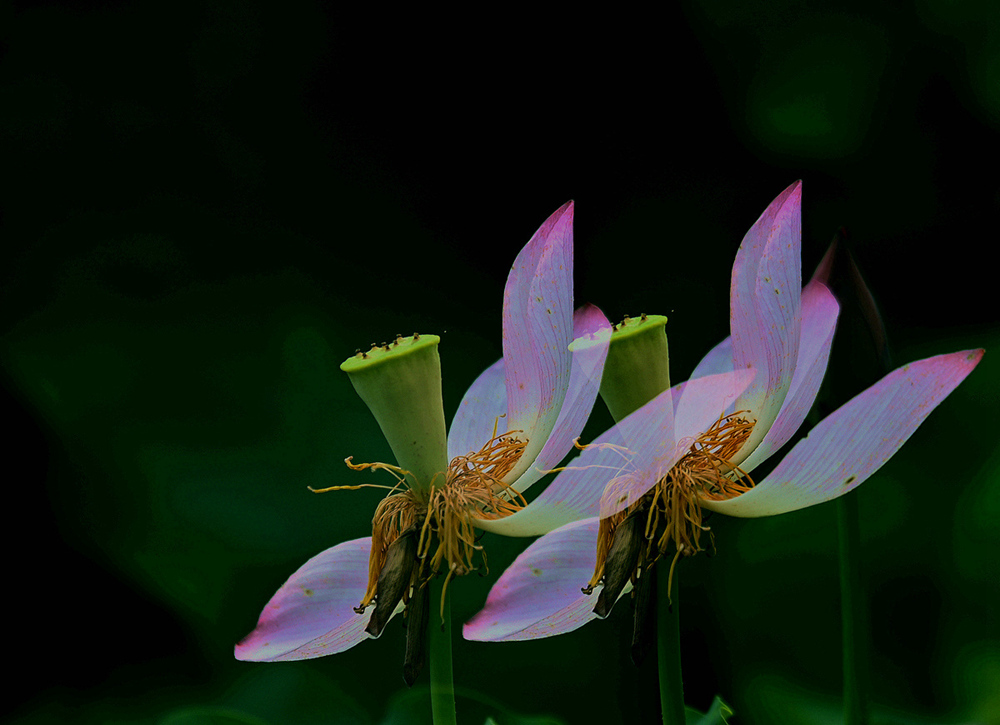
{"x":313,"y":613}
{"x":699,"y":403}
{"x":819,"y":319}
{"x":539,"y":594}
{"x":482,"y":410}
{"x":854,"y":441}
{"x":589,"y":321}
{"x":637,"y":451}
{"x":537,"y":330}
{"x":628,"y":447}
{"x":592,"y":333}
{"x":718,"y":360}
{"x":765,"y":312}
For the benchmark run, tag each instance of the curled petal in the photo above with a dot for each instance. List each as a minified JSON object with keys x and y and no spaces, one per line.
{"x":854,"y":441}
{"x":537,"y":331}
{"x":482,"y":410}
{"x":539,"y":594}
{"x":765,"y":307}
{"x":313,"y":613}
{"x":590,"y":349}
{"x":819,"y":319}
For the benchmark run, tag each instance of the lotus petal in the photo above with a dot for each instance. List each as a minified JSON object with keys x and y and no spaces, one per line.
{"x":312,"y":614}
{"x":765,"y":308}
{"x":482,"y":411}
{"x":718,"y":360}
{"x":537,"y":331}
{"x":853,"y":442}
{"x":539,"y":594}
{"x":590,"y":349}
{"x":819,"y":320}
{"x":576,"y":491}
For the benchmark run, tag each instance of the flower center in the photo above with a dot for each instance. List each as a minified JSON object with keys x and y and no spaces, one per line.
{"x":444,"y":524}
{"x":473,"y":489}
{"x":672,"y":508}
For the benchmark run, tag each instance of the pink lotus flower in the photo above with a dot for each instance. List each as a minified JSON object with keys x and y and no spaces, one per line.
{"x":783,"y":333}
{"x":540,"y":392}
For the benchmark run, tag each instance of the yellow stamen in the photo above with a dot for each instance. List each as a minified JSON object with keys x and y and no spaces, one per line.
{"x":605,"y":535}
{"x":358,"y":487}
{"x":674,"y":504}
{"x":472,"y":489}
{"x":625,"y":453}
{"x":398,"y":473}
{"x":394,"y":515}
{"x":489,"y":465}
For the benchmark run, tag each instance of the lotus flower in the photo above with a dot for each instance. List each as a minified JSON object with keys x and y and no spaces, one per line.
{"x":539,"y":394}
{"x":659,"y":469}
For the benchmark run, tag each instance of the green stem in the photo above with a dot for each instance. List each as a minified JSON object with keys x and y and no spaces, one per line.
{"x":853,"y":612}
{"x":439,"y":646}
{"x":668,"y":648}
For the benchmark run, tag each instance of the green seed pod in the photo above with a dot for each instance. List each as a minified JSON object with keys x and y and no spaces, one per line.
{"x":638,"y":364}
{"x":400,"y":383}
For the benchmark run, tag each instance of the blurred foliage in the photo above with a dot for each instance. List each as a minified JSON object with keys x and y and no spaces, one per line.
{"x":718,"y":714}
{"x":208,"y":205}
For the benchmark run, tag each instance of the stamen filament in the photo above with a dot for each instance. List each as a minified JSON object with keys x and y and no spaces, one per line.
{"x":444,"y":515}
{"x":673,"y":505}
{"x":352,"y":488}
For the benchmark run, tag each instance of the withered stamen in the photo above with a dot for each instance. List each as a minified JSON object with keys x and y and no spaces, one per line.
{"x":673,"y":506}
{"x":443,"y":519}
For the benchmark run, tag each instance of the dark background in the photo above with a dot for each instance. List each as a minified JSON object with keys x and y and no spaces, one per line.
{"x":208,"y":205}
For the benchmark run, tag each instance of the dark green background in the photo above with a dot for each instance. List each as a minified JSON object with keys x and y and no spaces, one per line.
{"x":208,"y":205}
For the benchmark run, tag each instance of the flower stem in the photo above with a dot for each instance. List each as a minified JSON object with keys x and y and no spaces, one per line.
{"x":439,"y":646}
{"x":668,"y":649}
{"x":853,"y":612}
